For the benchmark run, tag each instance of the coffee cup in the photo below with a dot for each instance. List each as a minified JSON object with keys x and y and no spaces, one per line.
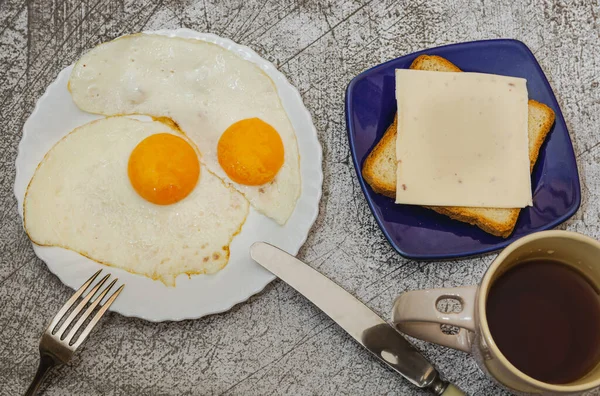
{"x":546,"y":277}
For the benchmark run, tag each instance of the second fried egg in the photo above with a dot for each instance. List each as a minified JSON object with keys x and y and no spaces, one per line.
{"x":131,"y":194}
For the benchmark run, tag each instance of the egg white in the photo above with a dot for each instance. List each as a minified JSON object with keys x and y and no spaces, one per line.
{"x":80,"y":198}
{"x":201,"y":86}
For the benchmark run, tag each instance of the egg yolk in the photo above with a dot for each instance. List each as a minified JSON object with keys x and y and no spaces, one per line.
{"x":250,"y":151}
{"x":163,"y":168}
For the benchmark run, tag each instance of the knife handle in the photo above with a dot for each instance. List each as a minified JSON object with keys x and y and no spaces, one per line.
{"x":452,"y":390}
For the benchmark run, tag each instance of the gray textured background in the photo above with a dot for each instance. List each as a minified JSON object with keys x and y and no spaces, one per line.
{"x":277,"y":342}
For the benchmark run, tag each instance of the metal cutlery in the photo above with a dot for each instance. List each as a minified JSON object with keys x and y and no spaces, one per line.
{"x":364,"y":325}
{"x":58,"y":344}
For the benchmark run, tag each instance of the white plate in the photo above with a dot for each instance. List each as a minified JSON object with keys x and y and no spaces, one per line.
{"x":55,"y":115}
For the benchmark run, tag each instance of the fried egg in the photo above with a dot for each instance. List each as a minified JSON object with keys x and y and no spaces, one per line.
{"x":228,"y":106}
{"x":131,"y":194}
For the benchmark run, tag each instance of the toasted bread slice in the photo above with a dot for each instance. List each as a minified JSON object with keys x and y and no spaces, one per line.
{"x":379,"y":169}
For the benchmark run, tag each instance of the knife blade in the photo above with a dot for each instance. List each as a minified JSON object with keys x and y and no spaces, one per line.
{"x":364,"y":325}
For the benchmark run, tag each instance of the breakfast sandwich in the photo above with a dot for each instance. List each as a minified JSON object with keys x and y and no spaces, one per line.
{"x":381,"y":169}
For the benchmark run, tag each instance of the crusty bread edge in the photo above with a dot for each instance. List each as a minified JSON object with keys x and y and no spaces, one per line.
{"x":501,"y":229}
{"x":368,"y":174}
{"x":546,"y":129}
{"x":419,"y":60}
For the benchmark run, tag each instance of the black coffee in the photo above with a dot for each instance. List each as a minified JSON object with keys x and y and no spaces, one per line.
{"x":545,"y":318}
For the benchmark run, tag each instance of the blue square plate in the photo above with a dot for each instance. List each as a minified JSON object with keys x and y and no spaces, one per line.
{"x":420,"y":233}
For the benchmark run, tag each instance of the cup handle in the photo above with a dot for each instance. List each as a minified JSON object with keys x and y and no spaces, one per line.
{"x":415,"y":313}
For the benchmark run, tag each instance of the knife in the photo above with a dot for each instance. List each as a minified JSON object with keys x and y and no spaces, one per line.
{"x":364,"y":325}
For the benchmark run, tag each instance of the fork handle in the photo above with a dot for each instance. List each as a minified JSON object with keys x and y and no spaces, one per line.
{"x":46,"y":363}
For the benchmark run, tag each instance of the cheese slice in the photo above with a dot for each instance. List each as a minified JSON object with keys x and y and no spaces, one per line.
{"x":462,"y":140}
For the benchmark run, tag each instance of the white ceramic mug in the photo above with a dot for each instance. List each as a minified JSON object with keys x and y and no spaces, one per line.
{"x":415,"y":312}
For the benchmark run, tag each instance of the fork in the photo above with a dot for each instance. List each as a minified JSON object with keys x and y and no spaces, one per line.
{"x":56,"y":345}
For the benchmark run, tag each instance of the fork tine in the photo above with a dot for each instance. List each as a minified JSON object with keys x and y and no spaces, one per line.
{"x":70,"y":302}
{"x":79,"y":308}
{"x":96,"y":317}
{"x":88,"y":311}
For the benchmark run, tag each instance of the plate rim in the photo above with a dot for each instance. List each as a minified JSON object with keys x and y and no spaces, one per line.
{"x":502,"y":243}
{"x":263,"y":64}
